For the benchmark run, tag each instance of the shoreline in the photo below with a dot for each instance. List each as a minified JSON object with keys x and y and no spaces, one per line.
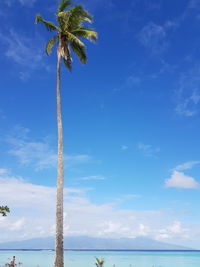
{"x":106,"y":250}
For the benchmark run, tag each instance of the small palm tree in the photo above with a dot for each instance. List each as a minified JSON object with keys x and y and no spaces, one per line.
{"x":4,"y":210}
{"x":68,"y":31}
{"x":99,"y":262}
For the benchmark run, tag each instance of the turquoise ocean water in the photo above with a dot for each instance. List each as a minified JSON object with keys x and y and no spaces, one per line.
{"x":112,"y":259}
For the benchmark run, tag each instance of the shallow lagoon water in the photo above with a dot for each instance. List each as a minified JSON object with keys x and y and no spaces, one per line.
{"x":112,"y":259}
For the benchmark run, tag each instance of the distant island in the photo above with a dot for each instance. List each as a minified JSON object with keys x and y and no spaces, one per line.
{"x":93,"y":243}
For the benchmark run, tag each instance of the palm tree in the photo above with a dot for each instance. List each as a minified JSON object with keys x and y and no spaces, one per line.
{"x":99,"y":262}
{"x":4,"y":210}
{"x":69,"y":29}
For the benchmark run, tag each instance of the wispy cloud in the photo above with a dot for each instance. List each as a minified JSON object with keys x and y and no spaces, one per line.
{"x":187,"y":165}
{"x":187,"y":95}
{"x":124,"y":147}
{"x":125,"y":198}
{"x":97,"y":4}
{"x":25,"y":52}
{"x":2,"y":115}
{"x":153,"y":37}
{"x":171,"y":24}
{"x":192,"y":8}
{"x":133,"y":80}
{"x":93,"y":178}
{"x":26,"y":3}
{"x":153,"y":5}
{"x":3,"y":171}
{"x":193,"y":4}
{"x":24,"y":76}
{"x":40,"y":155}
{"x":148,"y":150}
{"x":21,"y":49}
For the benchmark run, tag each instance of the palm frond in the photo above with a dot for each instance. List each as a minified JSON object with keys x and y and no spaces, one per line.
{"x":48,"y":24}
{"x":70,"y":28}
{"x":80,"y":51}
{"x":63,"y":4}
{"x":62,"y":19}
{"x":86,"y":33}
{"x":78,"y":12}
{"x":4,"y":210}
{"x":50,"y":44}
{"x":72,"y":38}
{"x":73,"y":18}
{"x":99,"y":262}
{"x":68,"y":64}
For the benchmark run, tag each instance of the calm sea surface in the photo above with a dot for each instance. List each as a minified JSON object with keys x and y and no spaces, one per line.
{"x":112,"y":259}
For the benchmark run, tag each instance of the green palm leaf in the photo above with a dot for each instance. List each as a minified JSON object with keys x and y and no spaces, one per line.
{"x":99,"y":262}
{"x":63,"y":5}
{"x":80,"y":51}
{"x":48,"y":24}
{"x":75,"y":16}
{"x":86,"y":33}
{"x":68,"y":64}
{"x":50,"y":44}
{"x":72,"y":38}
{"x":4,"y":210}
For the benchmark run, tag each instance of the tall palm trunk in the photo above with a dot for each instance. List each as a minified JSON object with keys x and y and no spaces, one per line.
{"x":59,"y":262}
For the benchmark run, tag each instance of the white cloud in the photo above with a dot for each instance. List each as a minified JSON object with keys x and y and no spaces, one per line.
{"x":175,"y":229}
{"x":21,"y":49}
{"x":18,"y":225}
{"x":148,"y":150}
{"x":186,"y":165}
{"x":187,"y":95}
{"x":3,"y":171}
{"x":110,"y":227}
{"x":93,"y":178}
{"x":34,"y":153}
{"x":33,"y":207}
{"x":40,"y":155}
{"x":71,"y":160}
{"x":183,"y":110}
{"x":153,"y":37}
{"x":181,"y":180}
{"x":25,"y":52}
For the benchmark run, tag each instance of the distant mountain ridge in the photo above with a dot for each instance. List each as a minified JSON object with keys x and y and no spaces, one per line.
{"x":85,"y":242}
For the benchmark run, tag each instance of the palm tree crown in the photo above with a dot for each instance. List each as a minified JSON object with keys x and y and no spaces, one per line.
{"x":99,"y":262}
{"x":69,"y":30}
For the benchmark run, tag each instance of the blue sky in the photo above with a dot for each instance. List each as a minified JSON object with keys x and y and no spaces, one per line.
{"x":130,"y":116}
